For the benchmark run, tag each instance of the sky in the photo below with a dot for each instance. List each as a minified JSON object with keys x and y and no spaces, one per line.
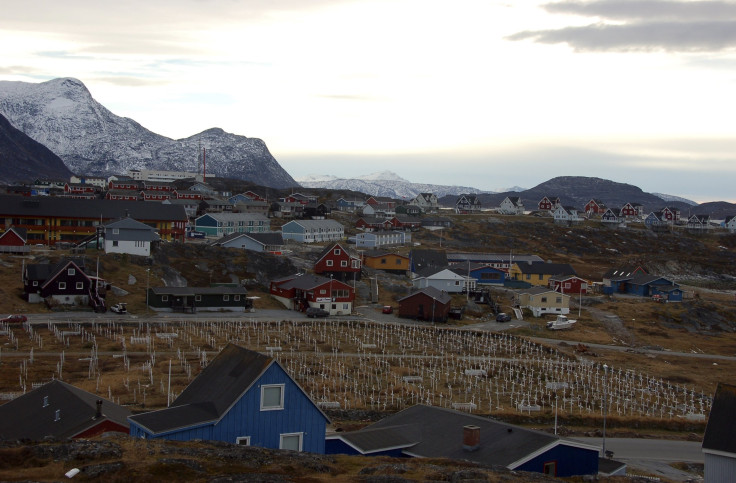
{"x":480,"y":93}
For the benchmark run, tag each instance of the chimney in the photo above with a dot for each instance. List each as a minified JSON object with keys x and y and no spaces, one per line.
{"x":471,"y":438}
{"x":98,"y":414}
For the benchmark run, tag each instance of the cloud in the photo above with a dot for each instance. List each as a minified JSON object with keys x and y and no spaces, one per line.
{"x":643,"y":25}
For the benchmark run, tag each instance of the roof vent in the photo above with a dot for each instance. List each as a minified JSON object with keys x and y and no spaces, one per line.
{"x":471,"y":438}
{"x":57,"y":415}
{"x":45,"y":401}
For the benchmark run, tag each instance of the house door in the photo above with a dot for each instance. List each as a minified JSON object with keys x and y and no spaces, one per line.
{"x":420,"y":311}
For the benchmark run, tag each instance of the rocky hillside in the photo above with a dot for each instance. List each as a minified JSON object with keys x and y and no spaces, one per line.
{"x":23,"y":159}
{"x":62,"y":115}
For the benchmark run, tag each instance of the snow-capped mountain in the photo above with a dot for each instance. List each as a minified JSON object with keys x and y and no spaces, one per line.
{"x":668,"y":198}
{"x":62,"y":115}
{"x":384,"y":183}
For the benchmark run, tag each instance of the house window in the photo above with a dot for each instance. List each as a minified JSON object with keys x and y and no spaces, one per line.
{"x":115,"y":243}
{"x":328,"y":263}
{"x":197,"y":298}
{"x":35,"y":283}
{"x":398,"y":261}
{"x":243,"y":440}
{"x":541,"y":277}
{"x":343,"y":263}
{"x":45,"y":401}
{"x":337,"y":251}
{"x":544,"y":300}
{"x":71,"y":272}
{"x":62,"y":285}
{"x":236,"y":298}
{"x":528,"y":276}
{"x":558,"y":300}
{"x":80,"y":285}
{"x":164,"y":298}
{"x":225,"y":298}
{"x":291,"y":441}
{"x":116,"y":231}
{"x":383,"y":261}
{"x":272,"y":397}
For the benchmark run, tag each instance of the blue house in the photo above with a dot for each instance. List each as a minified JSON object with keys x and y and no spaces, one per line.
{"x":650,"y":285}
{"x":241,"y":397}
{"x":482,"y":274}
{"x":432,"y":432}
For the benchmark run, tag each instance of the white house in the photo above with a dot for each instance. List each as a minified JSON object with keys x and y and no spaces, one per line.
{"x":311,"y":231}
{"x":730,"y":224}
{"x":271,"y":242}
{"x":221,"y":224}
{"x":129,"y":236}
{"x":566,"y":214}
{"x":428,"y":202}
{"x":443,"y":279}
{"x":376,"y":239}
{"x":511,"y":205}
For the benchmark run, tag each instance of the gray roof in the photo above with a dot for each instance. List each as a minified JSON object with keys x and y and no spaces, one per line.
{"x":93,"y":209}
{"x":188,"y":291}
{"x":236,"y":216}
{"x":305,"y":282}
{"x":493,"y":257}
{"x":433,"y":293}
{"x":25,"y":417}
{"x":130,"y":230}
{"x":543,"y":268}
{"x":370,"y":440}
{"x":211,"y":394}
{"x":264,"y":238}
{"x":721,"y":424}
{"x":442,"y":436}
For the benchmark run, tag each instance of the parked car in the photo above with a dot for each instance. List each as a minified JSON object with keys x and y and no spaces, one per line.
{"x":15,"y":319}
{"x":503,"y":317}
{"x":119,"y":308}
{"x":387,"y":309}
{"x":316,"y":312}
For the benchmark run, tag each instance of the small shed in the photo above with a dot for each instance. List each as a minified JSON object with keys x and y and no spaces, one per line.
{"x":426,"y":304}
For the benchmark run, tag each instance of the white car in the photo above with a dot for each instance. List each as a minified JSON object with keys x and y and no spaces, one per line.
{"x":119,"y":308}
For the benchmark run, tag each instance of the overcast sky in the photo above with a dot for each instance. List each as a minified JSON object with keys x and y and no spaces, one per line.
{"x":482,"y":93}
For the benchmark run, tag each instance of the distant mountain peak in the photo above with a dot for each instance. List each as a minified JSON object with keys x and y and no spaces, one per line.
{"x":385,"y":184}
{"x":382,"y":176}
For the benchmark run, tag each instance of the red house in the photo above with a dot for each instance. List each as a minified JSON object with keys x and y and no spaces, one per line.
{"x":13,"y":240}
{"x":571,"y":284}
{"x":124,"y":195}
{"x":426,"y":304}
{"x":254,"y":196}
{"x":74,"y":188}
{"x":188,"y":195}
{"x":123,"y":184}
{"x":671,"y":214}
{"x":404,"y":222}
{"x":299,"y":292}
{"x":335,"y":261}
{"x":155,"y":195}
{"x":595,"y":207}
{"x":370,"y":223}
{"x":630,"y":210}
{"x":548,"y":203}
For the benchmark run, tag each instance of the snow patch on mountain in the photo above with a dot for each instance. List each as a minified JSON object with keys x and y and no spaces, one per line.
{"x":385,"y":184}
{"x":669,"y":198}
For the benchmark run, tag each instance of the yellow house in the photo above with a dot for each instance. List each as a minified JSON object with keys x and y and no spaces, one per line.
{"x":539,"y":273}
{"x":540,"y":301}
{"x":390,"y":262}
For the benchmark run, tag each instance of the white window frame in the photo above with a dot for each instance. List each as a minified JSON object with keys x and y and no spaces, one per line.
{"x":243,"y":440}
{"x":62,"y":285}
{"x":80,"y":286}
{"x":164,"y":298}
{"x":226,"y":298}
{"x":343,"y":263}
{"x":281,"y":402}
{"x":71,"y":272}
{"x":328,"y":263}
{"x":301,"y":440}
{"x":197,"y":298}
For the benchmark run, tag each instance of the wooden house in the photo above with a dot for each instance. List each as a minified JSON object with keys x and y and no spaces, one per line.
{"x":313,"y":231}
{"x":569,"y":284}
{"x":60,"y":411}
{"x":123,"y":183}
{"x":403,"y":222}
{"x":13,"y":240}
{"x":566,"y":214}
{"x":436,"y":222}
{"x":730,"y":224}
{"x":511,"y":205}
{"x":502,"y":261}
{"x":611,"y":218}
{"x":409,"y":210}
{"x":631,"y":210}
{"x":670,"y":214}
{"x":480,"y":273}
{"x":215,"y":206}
{"x":467,"y":204}
{"x":651,"y":285}
{"x":548,"y":203}
{"x":443,"y":279}
{"x":698,"y":223}
{"x":241,"y":397}
{"x":377,"y":239}
{"x":656,"y":221}
{"x":719,"y":445}
{"x":63,"y":283}
{"x":386,"y":261}
{"x":336,"y":261}
{"x":614,"y":280}
{"x":427,"y":304}
{"x":433,"y":432}
{"x":182,"y":194}
{"x":127,"y":235}
{"x":427,"y":202}
{"x":299,"y":292}
{"x":221,"y":224}
{"x":539,"y":274}
{"x":594,"y":207}
{"x":194,"y":299}
{"x":285,"y":209}
{"x":543,"y":300}
{"x":122,"y":195}
{"x":371,"y":223}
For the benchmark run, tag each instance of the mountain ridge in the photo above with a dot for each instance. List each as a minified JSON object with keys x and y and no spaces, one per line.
{"x":62,"y":115}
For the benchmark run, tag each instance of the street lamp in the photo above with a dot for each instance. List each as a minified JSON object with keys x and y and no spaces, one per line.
{"x":555,"y":386}
{"x":605,"y":405}
{"x":148,"y":282}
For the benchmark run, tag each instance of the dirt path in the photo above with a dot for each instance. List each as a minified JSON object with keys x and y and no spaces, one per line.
{"x":614,"y":326}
